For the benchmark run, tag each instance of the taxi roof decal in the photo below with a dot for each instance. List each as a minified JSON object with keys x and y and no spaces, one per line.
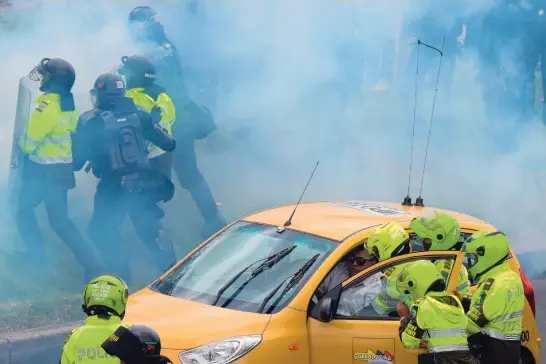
{"x":380,"y":210}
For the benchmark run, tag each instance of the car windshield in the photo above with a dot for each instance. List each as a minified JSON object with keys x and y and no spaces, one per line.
{"x":248,"y":267}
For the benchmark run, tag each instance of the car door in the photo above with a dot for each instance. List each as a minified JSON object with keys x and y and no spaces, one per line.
{"x":354,"y":333}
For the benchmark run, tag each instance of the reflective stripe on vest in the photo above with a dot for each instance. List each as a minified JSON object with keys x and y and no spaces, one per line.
{"x":508,"y":316}
{"x":49,"y":160}
{"x":447,"y":332}
{"x":499,"y":335}
{"x":463,"y":286}
{"x":447,"y":348}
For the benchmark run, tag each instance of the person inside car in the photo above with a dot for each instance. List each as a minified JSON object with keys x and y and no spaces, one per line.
{"x":355,"y":262}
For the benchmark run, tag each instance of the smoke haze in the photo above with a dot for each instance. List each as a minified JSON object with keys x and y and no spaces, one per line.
{"x":286,"y":72}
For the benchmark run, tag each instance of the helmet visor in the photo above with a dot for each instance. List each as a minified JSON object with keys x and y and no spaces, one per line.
{"x":39,"y":72}
{"x":470,"y":260}
{"x":94,"y":98}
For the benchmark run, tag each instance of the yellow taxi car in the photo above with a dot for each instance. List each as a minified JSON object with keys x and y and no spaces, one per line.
{"x":250,"y":294}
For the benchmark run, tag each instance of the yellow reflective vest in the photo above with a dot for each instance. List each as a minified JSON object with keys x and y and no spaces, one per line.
{"x":496,"y":308}
{"x":438,"y":319}
{"x":47,"y":137}
{"x":83,"y":344}
{"x":152,"y":97}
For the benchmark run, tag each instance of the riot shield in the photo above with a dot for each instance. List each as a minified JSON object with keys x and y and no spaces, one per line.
{"x":24,"y":104}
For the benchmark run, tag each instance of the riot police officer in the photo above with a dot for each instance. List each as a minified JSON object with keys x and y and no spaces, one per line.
{"x":388,"y":241}
{"x":112,"y":137}
{"x":436,"y":318}
{"x":495,"y":312}
{"x":135,"y":344}
{"x":104,"y":302}
{"x":196,"y":122}
{"x":47,"y":173}
{"x":441,"y":231}
{"x":140,"y":76}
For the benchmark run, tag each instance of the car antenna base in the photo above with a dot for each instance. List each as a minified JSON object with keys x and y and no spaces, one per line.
{"x":419,"y":202}
{"x":407,"y":201}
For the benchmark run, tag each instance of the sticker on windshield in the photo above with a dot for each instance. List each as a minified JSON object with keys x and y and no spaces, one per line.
{"x":371,"y":208}
{"x":370,"y":355}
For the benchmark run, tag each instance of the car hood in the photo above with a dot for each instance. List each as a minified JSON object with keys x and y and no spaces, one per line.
{"x":184,"y":324}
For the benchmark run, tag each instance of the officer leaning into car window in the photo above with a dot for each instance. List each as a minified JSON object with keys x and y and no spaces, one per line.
{"x":135,"y":344}
{"x":47,"y":173}
{"x":140,"y":77}
{"x":437,"y":319}
{"x":495,"y":312}
{"x":388,"y":241}
{"x":104,"y":303}
{"x":441,"y":231}
{"x":112,"y":137}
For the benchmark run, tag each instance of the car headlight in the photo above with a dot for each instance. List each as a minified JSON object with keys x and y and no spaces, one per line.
{"x":221,"y":352}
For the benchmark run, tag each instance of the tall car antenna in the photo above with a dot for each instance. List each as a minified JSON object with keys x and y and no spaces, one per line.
{"x":407,"y":199}
{"x":289,"y":221}
{"x":419,"y":201}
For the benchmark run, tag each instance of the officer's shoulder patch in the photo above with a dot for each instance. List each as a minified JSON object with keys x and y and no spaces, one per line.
{"x":41,"y":106}
{"x":487,"y":285}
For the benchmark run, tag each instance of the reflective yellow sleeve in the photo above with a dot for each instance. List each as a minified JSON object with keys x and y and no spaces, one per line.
{"x":39,"y":125}
{"x":412,"y":335}
{"x":168,"y":111}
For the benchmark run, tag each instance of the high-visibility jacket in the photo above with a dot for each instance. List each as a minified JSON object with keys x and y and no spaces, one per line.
{"x":389,"y":296}
{"x":496,"y":308}
{"x":83,"y":344}
{"x":150,"y":98}
{"x":47,"y":136}
{"x":439,"y":320}
{"x":463,"y":283}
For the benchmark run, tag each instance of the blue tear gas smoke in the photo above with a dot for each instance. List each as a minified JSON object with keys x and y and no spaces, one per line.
{"x":289,"y":76}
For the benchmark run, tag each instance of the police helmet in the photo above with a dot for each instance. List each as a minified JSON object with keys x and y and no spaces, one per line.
{"x":107,"y":86}
{"x":105,"y":294}
{"x":417,"y":278}
{"x":144,"y":24}
{"x":439,"y":230}
{"x":135,"y":344}
{"x":484,"y":250}
{"x":138,"y":71}
{"x":142,"y":13}
{"x":54,"y":74}
{"x":388,"y":241}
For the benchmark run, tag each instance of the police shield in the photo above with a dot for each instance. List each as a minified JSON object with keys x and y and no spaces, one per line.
{"x":24,"y":106}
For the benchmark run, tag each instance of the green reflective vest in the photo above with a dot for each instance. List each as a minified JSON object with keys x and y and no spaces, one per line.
{"x":149,"y":101}
{"x":47,"y":136}
{"x":440,"y":321}
{"x":496,"y":308}
{"x":83,"y":344}
{"x":463,"y":284}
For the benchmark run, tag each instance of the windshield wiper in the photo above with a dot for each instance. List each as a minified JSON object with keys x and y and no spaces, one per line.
{"x":268,"y":263}
{"x":296,"y":277}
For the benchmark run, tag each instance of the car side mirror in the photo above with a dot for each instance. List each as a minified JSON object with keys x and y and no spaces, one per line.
{"x":325,"y":309}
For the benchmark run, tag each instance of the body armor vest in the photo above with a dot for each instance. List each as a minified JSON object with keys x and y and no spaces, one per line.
{"x":126,"y":148}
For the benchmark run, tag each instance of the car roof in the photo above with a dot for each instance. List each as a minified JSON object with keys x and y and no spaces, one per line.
{"x":337,"y":220}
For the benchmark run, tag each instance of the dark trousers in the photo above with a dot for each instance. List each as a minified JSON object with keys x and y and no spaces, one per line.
{"x":184,"y":162}
{"x":39,"y":184}
{"x":112,"y":204}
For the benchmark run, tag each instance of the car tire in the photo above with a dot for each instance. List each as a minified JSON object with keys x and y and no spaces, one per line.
{"x":526,"y":357}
